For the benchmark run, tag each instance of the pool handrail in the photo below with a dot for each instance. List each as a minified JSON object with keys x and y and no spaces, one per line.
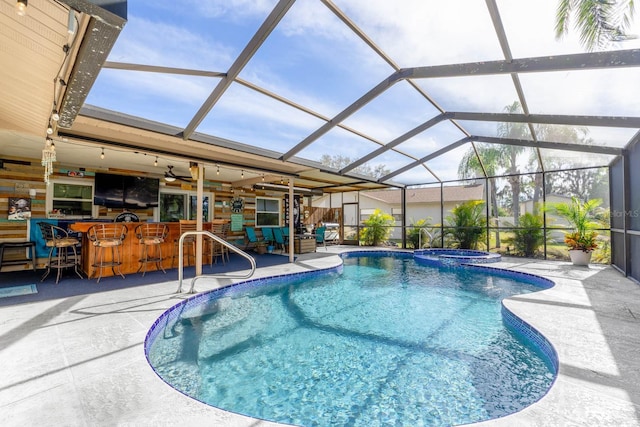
{"x":424,"y":229}
{"x":223,"y":242}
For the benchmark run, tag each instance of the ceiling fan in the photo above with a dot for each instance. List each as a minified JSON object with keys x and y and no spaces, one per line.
{"x":170,"y":176}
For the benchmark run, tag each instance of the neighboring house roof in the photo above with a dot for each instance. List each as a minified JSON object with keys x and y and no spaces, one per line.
{"x":458,"y":193}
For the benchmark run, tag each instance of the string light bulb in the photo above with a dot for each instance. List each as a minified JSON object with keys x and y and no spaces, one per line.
{"x":241,"y":173}
{"x":156,"y":162}
{"x":54,"y":115}
{"x":262,"y":177}
{"x":50,"y":129}
{"x":21,"y":7}
{"x":218,"y":171}
{"x":102,"y":154}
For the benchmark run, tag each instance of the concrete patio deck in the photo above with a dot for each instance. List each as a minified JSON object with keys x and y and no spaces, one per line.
{"x":79,"y":361}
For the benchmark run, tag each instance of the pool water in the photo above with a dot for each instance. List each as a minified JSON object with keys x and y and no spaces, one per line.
{"x":386,"y":342}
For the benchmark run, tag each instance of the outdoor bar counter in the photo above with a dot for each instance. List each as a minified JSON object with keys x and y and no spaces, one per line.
{"x":130,"y":251}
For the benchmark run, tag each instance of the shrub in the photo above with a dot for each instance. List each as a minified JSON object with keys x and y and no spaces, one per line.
{"x":467,"y":224}
{"x":530,"y":236}
{"x":377,"y":228}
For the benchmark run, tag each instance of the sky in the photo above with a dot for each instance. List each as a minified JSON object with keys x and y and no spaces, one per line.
{"x":313,"y":59}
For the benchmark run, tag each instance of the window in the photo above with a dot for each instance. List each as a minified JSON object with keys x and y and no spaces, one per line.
{"x":183,"y":205}
{"x":70,"y":199}
{"x":267,"y":212}
{"x":397,"y":213}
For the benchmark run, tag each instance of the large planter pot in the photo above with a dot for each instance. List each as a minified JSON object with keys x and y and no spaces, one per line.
{"x":580,"y":257}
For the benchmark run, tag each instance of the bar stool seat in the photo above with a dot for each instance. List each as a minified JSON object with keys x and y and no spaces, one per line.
{"x":57,"y":239}
{"x":151,"y":236}
{"x":107,"y":236}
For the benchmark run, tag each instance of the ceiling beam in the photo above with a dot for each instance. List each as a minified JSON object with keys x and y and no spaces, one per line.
{"x":161,"y":69}
{"x":598,"y":149}
{"x":415,"y":131}
{"x":358,"y":104}
{"x":426,"y":158}
{"x":579,"y":61}
{"x":247,"y":53}
{"x":604,"y":121}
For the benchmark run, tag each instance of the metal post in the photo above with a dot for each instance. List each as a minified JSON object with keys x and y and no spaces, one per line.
{"x":291,"y":218}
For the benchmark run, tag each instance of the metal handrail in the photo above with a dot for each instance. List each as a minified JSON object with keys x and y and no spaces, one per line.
{"x":222,"y":242}
{"x":420,"y":237}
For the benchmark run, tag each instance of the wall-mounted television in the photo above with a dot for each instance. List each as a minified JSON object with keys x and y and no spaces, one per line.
{"x":122,"y":191}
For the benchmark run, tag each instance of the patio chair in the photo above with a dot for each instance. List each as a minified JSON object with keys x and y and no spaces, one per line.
{"x":267,"y":234}
{"x":320,"y":237}
{"x":279,"y":238}
{"x":285,"y":235}
{"x":251,"y":238}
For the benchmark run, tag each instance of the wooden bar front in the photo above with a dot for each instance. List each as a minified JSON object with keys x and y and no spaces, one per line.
{"x":130,"y":251}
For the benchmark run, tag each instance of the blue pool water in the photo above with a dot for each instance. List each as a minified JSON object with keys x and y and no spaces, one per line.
{"x":384,"y":342}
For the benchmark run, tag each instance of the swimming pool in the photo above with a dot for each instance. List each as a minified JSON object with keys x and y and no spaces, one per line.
{"x":380,"y":341}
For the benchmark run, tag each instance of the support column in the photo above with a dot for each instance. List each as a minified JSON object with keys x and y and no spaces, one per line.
{"x":292,"y":231}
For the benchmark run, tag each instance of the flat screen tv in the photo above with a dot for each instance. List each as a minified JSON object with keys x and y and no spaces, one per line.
{"x":121,"y":191}
{"x":141,"y":192}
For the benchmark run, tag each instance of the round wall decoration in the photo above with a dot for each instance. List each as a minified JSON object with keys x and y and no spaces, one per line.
{"x":237,"y":204}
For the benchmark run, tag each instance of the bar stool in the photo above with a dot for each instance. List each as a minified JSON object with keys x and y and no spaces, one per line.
{"x":58,"y":239}
{"x":107,"y":236}
{"x":189,"y":242}
{"x":151,"y":237}
{"x":218,"y":249}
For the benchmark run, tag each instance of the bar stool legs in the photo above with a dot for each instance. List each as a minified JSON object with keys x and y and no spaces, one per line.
{"x":107,"y":236}
{"x":57,"y":238}
{"x":102,"y":262}
{"x":151,"y":236}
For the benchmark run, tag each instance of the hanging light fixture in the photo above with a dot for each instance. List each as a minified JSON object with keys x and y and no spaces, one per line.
{"x":193,"y":170}
{"x":48,"y":157}
{"x":102,"y":154}
{"x":49,"y":129}
{"x":156,"y":162}
{"x":241,"y":173}
{"x":218,"y":171}
{"x":21,"y":7}
{"x":55,"y":116}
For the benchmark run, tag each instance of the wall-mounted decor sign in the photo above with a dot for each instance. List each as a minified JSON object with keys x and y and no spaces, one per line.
{"x":127,"y":217}
{"x":236,"y":222}
{"x":237,"y":205}
{"x":19,"y":208}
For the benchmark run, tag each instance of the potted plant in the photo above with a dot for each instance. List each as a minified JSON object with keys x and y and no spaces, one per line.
{"x":581,"y":216}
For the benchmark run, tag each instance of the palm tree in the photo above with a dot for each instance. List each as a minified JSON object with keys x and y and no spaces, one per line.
{"x":469,"y":167}
{"x":599,"y":22}
{"x":500,"y":159}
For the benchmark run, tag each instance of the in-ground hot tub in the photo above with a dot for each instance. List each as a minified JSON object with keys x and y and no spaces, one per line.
{"x":454,"y":257}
